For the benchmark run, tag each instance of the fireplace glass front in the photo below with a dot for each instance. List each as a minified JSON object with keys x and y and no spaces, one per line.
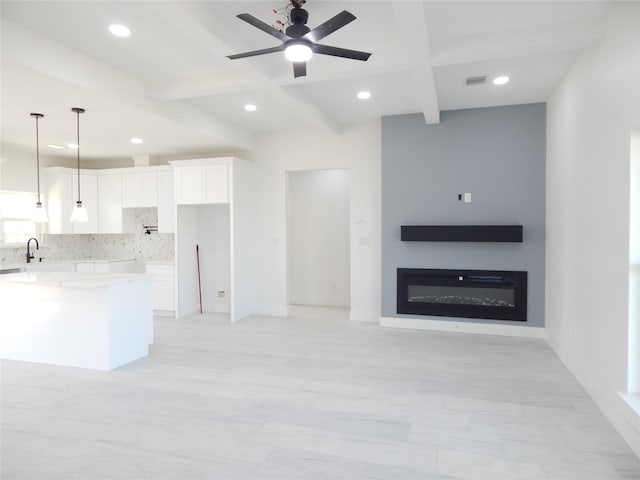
{"x":499,"y":295}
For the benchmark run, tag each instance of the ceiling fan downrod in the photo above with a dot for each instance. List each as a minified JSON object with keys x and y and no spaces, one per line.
{"x":299,"y":18}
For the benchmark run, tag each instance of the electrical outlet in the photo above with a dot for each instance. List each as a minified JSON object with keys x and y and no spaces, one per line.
{"x":222,"y":293}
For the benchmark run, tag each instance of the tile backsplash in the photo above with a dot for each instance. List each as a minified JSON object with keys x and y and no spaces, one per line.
{"x":138,"y":245}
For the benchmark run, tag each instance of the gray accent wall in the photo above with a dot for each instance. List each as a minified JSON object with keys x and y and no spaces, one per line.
{"x":498,"y":155}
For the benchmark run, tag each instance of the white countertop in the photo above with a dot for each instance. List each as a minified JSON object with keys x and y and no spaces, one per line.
{"x":71,"y":279}
{"x":101,"y":261}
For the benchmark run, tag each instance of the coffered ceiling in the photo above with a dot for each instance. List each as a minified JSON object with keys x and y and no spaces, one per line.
{"x":171,"y":84}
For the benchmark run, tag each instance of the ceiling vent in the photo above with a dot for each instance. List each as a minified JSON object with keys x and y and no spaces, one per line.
{"x":479,"y":80}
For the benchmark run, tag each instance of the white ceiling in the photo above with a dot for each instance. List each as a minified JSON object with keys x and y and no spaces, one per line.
{"x":171,"y":84}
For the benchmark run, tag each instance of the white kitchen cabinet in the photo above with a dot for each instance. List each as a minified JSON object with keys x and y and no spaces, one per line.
{"x":215,"y":211}
{"x":139,"y":190}
{"x":202,"y":184}
{"x":216,"y":184}
{"x":111,"y":216}
{"x":166,"y":203}
{"x":162,"y":274}
{"x":106,"y":266}
{"x":59,"y":200}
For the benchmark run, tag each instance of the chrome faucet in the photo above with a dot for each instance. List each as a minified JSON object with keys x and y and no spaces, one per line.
{"x":29,"y":254}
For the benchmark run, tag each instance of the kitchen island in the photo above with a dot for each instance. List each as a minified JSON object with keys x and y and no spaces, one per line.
{"x":96,"y":321}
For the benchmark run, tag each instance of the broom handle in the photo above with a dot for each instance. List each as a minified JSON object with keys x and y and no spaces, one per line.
{"x":199,"y":285}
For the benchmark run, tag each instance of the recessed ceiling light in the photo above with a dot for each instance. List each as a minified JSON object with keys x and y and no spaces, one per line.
{"x":136,"y":140}
{"x":119,"y":30}
{"x":54,"y":146}
{"x":364,"y":95}
{"x":72,"y":145}
{"x":501,"y":80}
{"x":250,"y":107}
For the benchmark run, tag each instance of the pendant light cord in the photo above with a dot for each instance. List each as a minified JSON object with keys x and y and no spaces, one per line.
{"x":38,"y":116}
{"x":78,"y":143}
{"x":38,"y":157}
{"x":78,"y":112}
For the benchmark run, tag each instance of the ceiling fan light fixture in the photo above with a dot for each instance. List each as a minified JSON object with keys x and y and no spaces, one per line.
{"x":298,"y":52}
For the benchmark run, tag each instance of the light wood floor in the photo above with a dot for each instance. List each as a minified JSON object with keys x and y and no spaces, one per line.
{"x":310,"y":397}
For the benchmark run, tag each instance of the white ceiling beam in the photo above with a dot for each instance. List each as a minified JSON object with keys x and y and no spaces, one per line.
{"x":187,"y":19}
{"x":494,"y":46}
{"x":40,"y":54}
{"x":221,"y":84}
{"x":410,"y":17}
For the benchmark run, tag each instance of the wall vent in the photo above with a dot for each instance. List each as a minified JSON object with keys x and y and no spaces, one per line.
{"x":478,"y":80}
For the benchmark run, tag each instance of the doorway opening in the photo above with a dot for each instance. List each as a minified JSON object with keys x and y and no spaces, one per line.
{"x":318,"y":242}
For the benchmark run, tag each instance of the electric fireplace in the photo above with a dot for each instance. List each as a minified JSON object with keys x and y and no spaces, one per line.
{"x":489,"y":294}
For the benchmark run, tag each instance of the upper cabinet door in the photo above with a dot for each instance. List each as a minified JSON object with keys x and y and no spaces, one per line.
{"x":216,"y":179}
{"x":59,"y":201}
{"x":202,"y":184}
{"x":166,"y":203}
{"x":139,"y":190}
{"x":189,"y":185}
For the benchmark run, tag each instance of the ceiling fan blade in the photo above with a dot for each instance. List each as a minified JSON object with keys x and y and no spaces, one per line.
{"x":340,"y":52}
{"x":330,"y":26}
{"x":257,"y":52}
{"x":283,"y":37}
{"x":299,"y":69}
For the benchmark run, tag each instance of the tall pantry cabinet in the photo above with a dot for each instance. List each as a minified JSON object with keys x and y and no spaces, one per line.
{"x":214,"y":234}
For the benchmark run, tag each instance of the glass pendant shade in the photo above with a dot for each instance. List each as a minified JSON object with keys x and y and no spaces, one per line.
{"x":40,"y":214}
{"x":79,"y":213}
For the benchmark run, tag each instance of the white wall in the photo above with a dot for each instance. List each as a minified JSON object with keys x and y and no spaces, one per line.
{"x":357,"y":150}
{"x":18,"y":167}
{"x":208,"y":227}
{"x":18,"y":170}
{"x":634,"y":267}
{"x":318,"y":237}
{"x":187,"y":221}
{"x":590,"y":118}
{"x":243,"y":247}
{"x":215,"y":254}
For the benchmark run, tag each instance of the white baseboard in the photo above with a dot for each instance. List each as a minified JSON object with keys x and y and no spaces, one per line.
{"x":624,"y":419}
{"x":271,"y":310}
{"x":429,"y":323}
{"x":363,"y":315}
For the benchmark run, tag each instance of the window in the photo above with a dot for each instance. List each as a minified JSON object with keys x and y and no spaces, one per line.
{"x":16,"y":217}
{"x":634,"y":268}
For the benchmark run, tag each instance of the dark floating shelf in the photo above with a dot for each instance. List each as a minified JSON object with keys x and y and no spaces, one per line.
{"x":461,"y":233}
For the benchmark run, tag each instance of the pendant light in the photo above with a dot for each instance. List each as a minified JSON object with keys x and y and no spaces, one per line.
{"x":39,"y":214}
{"x":79,"y":213}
